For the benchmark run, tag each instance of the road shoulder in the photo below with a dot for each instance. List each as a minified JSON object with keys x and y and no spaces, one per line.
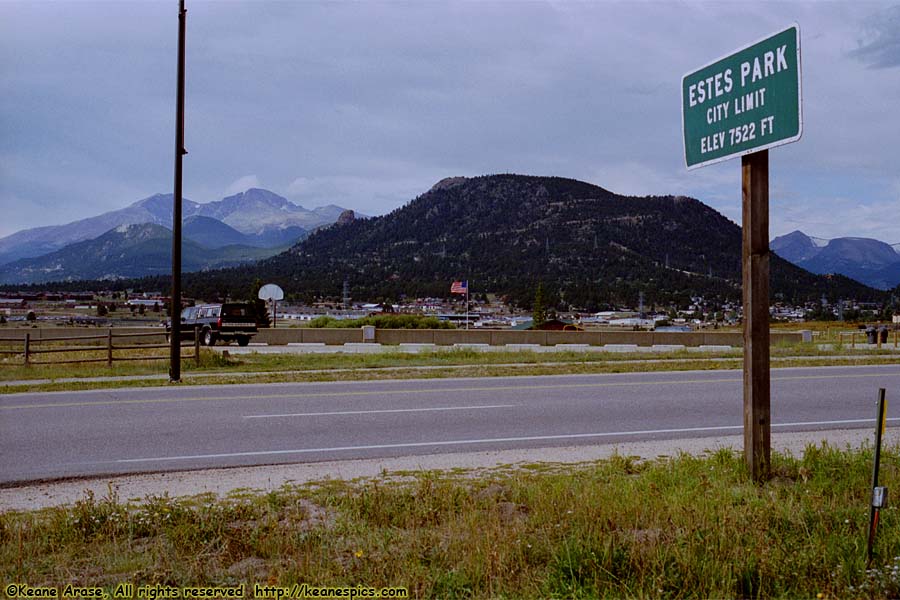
{"x":265,"y":478}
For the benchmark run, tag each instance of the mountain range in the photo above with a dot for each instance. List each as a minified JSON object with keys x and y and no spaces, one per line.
{"x":868,"y":261}
{"x":263,"y":217}
{"x":125,"y":252}
{"x":241,"y":228}
{"x":506,"y":233}
{"x":590,"y":248}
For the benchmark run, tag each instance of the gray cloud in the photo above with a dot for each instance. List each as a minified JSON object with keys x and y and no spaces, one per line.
{"x":368,"y":104}
{"x":879,"y":45}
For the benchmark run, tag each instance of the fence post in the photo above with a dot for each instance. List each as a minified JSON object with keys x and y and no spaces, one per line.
{"x":109,"y":347}
{"x":197,"y":345}
{"x":27,"y":346}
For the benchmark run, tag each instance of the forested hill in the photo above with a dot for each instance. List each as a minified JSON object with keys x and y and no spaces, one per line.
{"x":505,"y":233}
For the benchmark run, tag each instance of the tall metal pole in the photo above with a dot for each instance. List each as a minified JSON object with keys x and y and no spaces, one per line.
{"x":755,"y":258}
{"x":175,"y":339}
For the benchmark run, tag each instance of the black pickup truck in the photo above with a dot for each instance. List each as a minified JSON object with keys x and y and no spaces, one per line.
{"x":227,"y":322}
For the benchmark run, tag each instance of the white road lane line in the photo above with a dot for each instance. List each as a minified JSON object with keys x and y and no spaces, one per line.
{"x":375,"y":412}
{"x":534,"y":438}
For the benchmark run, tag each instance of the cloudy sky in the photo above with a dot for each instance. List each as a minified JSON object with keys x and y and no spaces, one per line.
{"x":368,"y":104}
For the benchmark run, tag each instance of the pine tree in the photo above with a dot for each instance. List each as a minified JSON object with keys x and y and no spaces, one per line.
{"x":538,"y":312}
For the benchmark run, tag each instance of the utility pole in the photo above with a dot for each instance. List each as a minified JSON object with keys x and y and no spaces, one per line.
{"x":175,"y":338}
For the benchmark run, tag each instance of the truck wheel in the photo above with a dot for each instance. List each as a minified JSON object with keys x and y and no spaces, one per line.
{"x":243,"y":340}
{"x":209,"y":338}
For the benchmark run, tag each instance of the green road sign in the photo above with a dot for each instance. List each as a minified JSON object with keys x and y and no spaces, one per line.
{"x":744,"y":102}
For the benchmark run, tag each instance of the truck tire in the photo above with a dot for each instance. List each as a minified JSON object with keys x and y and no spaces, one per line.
{"x":209,"y":338}
{"x":243,"y":340}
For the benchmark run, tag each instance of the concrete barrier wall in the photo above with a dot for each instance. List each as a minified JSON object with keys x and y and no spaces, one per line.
{"x":282,"y":336}
{"x":448,"y":337}
{"x":641,"y":338}
{"x":501,"y":337}
{"x":719,"y":338}
{"x":593,"y":338}
{"x":441,"y":337}
{"x":677,"y":338}
{"x":784,"y":337}
{"x":404,"y":336}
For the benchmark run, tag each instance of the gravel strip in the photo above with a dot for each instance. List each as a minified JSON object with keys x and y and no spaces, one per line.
{"x":265,"y":478}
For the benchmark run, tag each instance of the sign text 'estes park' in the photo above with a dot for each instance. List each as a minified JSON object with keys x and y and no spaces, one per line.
{"x":745,"y":102}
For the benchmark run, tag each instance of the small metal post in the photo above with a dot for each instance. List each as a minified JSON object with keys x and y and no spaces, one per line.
{"x":874,"y":510}
{"x":197,"y":345}
{"x":27,"y":347}
{"x":109,"y":347}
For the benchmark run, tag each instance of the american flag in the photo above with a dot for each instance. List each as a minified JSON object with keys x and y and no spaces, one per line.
{"x":459,"y":287}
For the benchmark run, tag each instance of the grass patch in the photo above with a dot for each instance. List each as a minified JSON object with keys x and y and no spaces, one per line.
{"x":11,"y":368}
{"x":674,"y":527}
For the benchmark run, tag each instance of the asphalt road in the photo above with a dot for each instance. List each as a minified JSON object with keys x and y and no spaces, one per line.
{"x":101,"y":432}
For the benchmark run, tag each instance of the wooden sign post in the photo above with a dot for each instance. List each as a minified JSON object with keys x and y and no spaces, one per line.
{"x":742,"y":105}
{"x":755,"y":261}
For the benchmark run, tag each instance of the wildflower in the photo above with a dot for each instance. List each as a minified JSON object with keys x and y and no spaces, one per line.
{"x":359,"y":553}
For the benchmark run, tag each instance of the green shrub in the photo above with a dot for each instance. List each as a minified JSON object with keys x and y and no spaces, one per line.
{"x":383,"y":322}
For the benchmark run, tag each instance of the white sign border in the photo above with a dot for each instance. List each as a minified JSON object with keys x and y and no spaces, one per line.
{"x":782,"y":142}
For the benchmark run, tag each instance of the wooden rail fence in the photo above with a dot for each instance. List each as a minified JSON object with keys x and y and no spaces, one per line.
{"x":28,"y":349}
{"x":864,"y":338}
